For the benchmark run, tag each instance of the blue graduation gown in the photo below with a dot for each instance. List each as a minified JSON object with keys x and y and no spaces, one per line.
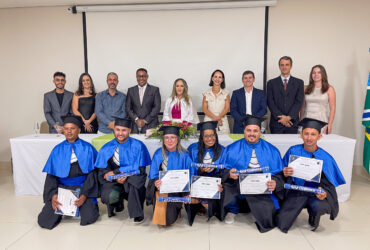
{"x":238,"y":156}
{"x":176,"y":161}
{"x":78,"y":175}
{"x":59,"y":162}
{"x":215,"y":207}
{"x":132,"y":155}
{"x":329,"y":168}
{"x":193,"y":151}
{"x":295,"y":201}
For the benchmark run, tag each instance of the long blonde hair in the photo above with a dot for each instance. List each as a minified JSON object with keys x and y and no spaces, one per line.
{"x":179,"y":148}
{"x":185,"y":95}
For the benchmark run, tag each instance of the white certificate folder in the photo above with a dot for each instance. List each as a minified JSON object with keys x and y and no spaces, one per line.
{"x":205,"y":187}
{"x":67,"y":198}
{"x":254,"y":183}
{"x":174,"y":181}
{"x":308,"y":169}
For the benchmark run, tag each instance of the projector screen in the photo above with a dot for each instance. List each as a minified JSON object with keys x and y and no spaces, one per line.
{"x":187,"y":44}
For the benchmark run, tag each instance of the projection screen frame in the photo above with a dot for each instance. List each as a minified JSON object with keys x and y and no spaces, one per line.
{"x":266,"y":4}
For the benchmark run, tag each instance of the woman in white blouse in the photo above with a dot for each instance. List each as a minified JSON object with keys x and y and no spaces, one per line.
{"x":216,"y":102}
{"x":179,"y":107}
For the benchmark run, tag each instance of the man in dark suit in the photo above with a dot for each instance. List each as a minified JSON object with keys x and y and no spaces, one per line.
{"x":143,"y":103}
{"x":57,"y":103}
{"x":285,"y":95}
{"x":247,"y":101}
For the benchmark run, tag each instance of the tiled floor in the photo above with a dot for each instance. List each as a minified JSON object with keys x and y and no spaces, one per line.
{"x":19,"y":229}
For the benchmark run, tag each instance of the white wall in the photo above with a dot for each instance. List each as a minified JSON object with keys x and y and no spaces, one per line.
{"x":336,"y":35}
{"x":189,"y":44}
{"x":35,"y":42}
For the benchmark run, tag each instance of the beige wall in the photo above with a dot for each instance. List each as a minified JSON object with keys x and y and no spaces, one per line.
{"x":336,"y":35}
{"x":35,"y":42}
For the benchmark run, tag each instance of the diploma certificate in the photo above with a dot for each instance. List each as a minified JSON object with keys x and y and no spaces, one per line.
{"x":308,"y":169}
{"x":67,"y":198}
{"x":254,"y":183}
{"x":205,"y":187}
{"x":174,"y":181}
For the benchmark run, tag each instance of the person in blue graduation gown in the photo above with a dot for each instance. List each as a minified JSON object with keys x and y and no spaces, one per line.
{"x":252,"y":152}
{"x":171,"y":156}
{"x":331,"y":177}
{"x":207,"y":150}
{"x":70,"y":166}
{"x":120,"y":155}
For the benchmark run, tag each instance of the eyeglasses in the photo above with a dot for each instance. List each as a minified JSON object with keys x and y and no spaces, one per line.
{"x":141,"y":76}
{"x":210,"y":136}
{"x":170,"y":138}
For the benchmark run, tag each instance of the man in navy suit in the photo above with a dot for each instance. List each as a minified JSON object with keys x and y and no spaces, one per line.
{"x":247,"y":101}
{"x":285,"y":95}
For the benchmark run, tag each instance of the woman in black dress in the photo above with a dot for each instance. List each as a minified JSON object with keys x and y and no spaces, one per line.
{"x":83,"y":104}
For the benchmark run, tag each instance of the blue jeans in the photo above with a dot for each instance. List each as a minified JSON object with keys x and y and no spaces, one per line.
{"x":233,"y":206}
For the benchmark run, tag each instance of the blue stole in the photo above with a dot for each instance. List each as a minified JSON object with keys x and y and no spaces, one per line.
{"x":132,"y":155}
{"x":238,"y":155}
{"x":330,"y":167}
{"x":193,"y":151}
{"x":176,"y":161}
{"x":59,"y":162}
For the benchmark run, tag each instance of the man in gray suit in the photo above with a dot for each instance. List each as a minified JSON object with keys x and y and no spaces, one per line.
{"x":57,"y":103}
{"x":143,"y":103}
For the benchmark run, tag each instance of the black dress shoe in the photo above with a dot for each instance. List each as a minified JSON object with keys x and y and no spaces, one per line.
{"x":138,"y":220}
{"x":315,"y":222}
{"x":110,"y":209}
{"x":119,"y":207}
{"x":311,"y":220}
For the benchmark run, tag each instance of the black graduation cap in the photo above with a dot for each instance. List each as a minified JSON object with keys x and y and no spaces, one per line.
{"x":124,"y":122}
{"x":312,"y":123}
{"x":77,"y":120}
{"x":207,"y":125}
{"x":252,"y":120}
{"x":170,"y":130}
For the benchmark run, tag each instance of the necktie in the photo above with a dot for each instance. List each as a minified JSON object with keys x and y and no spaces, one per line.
{"x":116,"y":157}
{"x":285,"y":84}
{"x":141,"y":93}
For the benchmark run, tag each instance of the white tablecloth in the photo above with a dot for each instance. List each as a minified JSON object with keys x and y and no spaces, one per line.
{"x":30,"y":153}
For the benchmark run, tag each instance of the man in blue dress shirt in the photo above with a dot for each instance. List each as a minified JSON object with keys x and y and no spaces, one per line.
{"x":110,"y":103}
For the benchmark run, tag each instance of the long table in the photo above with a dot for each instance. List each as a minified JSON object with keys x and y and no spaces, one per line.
{"x":30,"y":153}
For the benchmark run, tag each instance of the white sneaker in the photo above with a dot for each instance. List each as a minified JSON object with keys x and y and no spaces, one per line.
{"x":230,"y":218}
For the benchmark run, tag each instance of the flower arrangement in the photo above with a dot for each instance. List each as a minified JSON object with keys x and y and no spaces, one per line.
{"x":186,"y":130}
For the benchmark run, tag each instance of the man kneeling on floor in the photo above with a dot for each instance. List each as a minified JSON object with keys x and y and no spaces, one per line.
{"x":123,"y":155}
{"x":249,"y":154}
{"x":70,"y":166}
{"x":331,"y":177}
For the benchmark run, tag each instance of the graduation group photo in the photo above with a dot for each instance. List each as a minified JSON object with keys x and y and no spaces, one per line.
{"x":186,"y":125}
